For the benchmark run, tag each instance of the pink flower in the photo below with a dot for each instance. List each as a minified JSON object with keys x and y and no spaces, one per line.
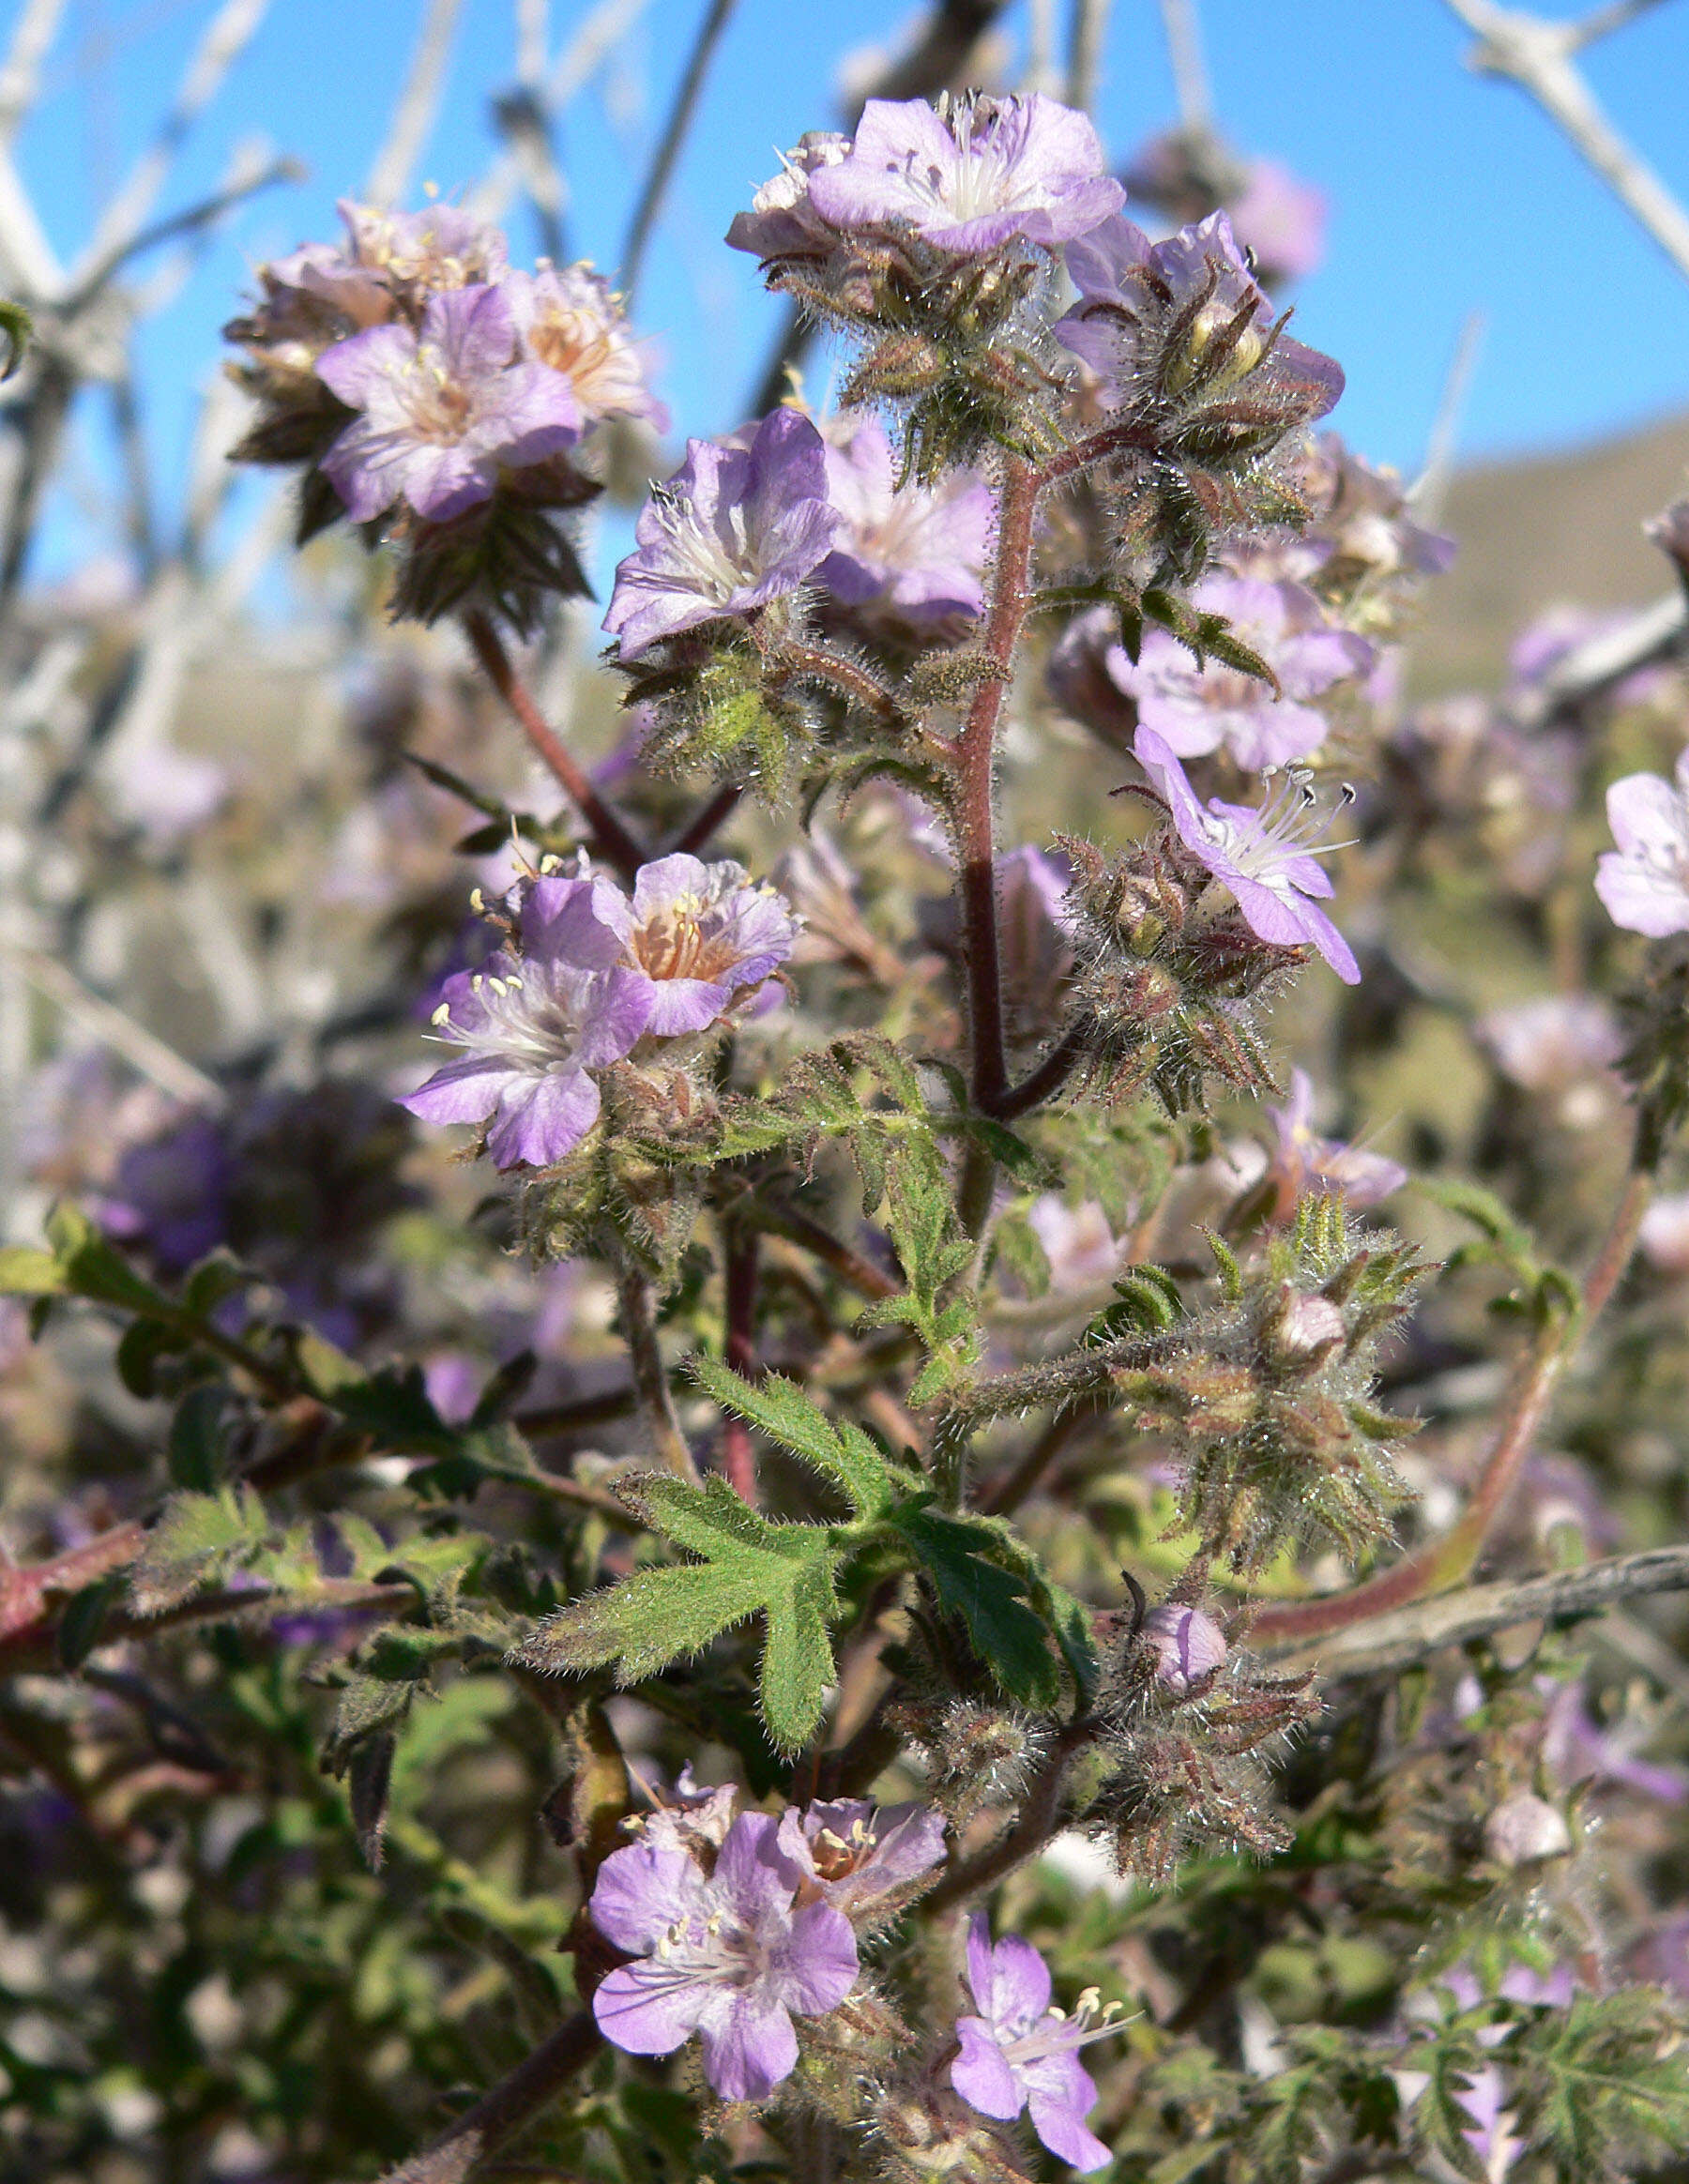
{"x":442,"y":412}
{"x":1645,"y":881}
{"x":1264,"y":857}
{"x":1018,"y":2053}
{"x":973,"y":176}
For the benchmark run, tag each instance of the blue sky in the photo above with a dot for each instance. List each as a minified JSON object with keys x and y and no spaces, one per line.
{"x":1451,"y":194}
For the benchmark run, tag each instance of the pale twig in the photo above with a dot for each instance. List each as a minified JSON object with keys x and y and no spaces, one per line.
{"x":1191,"y":85}
{"x":143,"y":1049}
{"x":417,"y":105}
{"x":1430,"y":489}
{"x":576,"y":66}
{"x":668,"y":147}
{"x":1411,"y":1634}
{"x":230,"y":32}
{"x":1603,"y":21}
{"x":1084,"y":51}
{"x":20,"y":73}
{"x":193,"y":221}
{"x":1537,"y":55}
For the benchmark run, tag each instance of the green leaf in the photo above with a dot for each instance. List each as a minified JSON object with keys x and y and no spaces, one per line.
{"x":780,"y":1408}
{"x":93,"y":1267}
{"x":199,"y":1538}
{"x":1007,"y":1632}
{"x":746,"y":1566}
{"x":194,"y":1452}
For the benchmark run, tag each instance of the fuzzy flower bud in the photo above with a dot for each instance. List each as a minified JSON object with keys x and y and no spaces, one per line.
{"x":1190,"y":1647}
{"x":1524,"y":1829}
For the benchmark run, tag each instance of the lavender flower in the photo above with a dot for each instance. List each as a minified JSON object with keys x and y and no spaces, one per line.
{"x":1304,"y":1160}
{"x":972,"y":177}
{"x":1645,"y":881}
{"x":696,"y":935}
{"x":571,"y":322}
{"x":726,"y":1955}
{"x":1201,"y":708}
{"x":855,"y":1855}
{"x":1263,"y":856}
{"x":919,"y":553}
{"x":1019,"y":2052}
{"x":440,"y":247}
{"x":442,"y":412}
{"x":1133,"y":293}
{"x":782,"y":223}
{"x":534,"y":1026}
{"x":1561,"y":1047}
{"x":733,"y":528}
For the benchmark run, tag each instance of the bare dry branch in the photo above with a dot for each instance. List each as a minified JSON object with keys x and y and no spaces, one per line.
{"x":1537,"y":55}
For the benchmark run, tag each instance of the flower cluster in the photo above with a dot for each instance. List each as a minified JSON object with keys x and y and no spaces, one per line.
{"x":1198,"y":706}
{"x":425,"y":387}
{"x":1267,"y":1401}
{"x":584,"y":975}
{"x":1202,"y":386}
{"x":927,"y":233}
{"x":737,"y":1924}
{"x":1186,"y":1717}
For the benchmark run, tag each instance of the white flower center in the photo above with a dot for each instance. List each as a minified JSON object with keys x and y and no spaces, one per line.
{"x":527,"y":1026}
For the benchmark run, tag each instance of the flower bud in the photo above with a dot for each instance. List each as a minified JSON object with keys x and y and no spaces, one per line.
{"x":1524,"y":1829}
{"x":1190,"y":1647}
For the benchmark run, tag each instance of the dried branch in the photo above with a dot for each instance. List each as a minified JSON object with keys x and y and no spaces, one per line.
{"x":1410,"y":1634}
{"x":669,"y":143}
{"x":1191,"y":84}
{"x":497,"y":2116}
{"x":227,"y":37}
{"x":1537,"y":55}
{"x":417,"y":106}
{"x":1084,"y":51}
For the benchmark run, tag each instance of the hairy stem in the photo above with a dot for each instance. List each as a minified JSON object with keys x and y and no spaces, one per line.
{"x":738,"y":1458}
{"x":1444,"y":1562}
{"x":1044,"y":1080}
{"x":650,"y":1375}
{"x":975,"y":759}
{"x":704,"y":823}
{"x":611,"y":838}
{"x":1040,"y":1818}
{"x":497,"y":2116}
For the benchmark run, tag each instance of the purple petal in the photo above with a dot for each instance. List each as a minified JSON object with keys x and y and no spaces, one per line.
{"x":980,"y":2072}
{"x":1060,"y":2094}
{"x":816,"y":1966}
{"x":752,"y":1872}
{"x":749,"y":2055}
{"x":643,"y":2011}
{"x":577,"y":921}
{"x":465,"y":1091}
{"x":615,"y":1017}
{"x":642,"y":1892}
{"x":545,"y":1121}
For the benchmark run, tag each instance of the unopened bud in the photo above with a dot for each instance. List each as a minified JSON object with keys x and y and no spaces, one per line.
{"x":1310,"y":1324}
{"x":1524,"y":1829}
{"x":1189,"y":1647}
